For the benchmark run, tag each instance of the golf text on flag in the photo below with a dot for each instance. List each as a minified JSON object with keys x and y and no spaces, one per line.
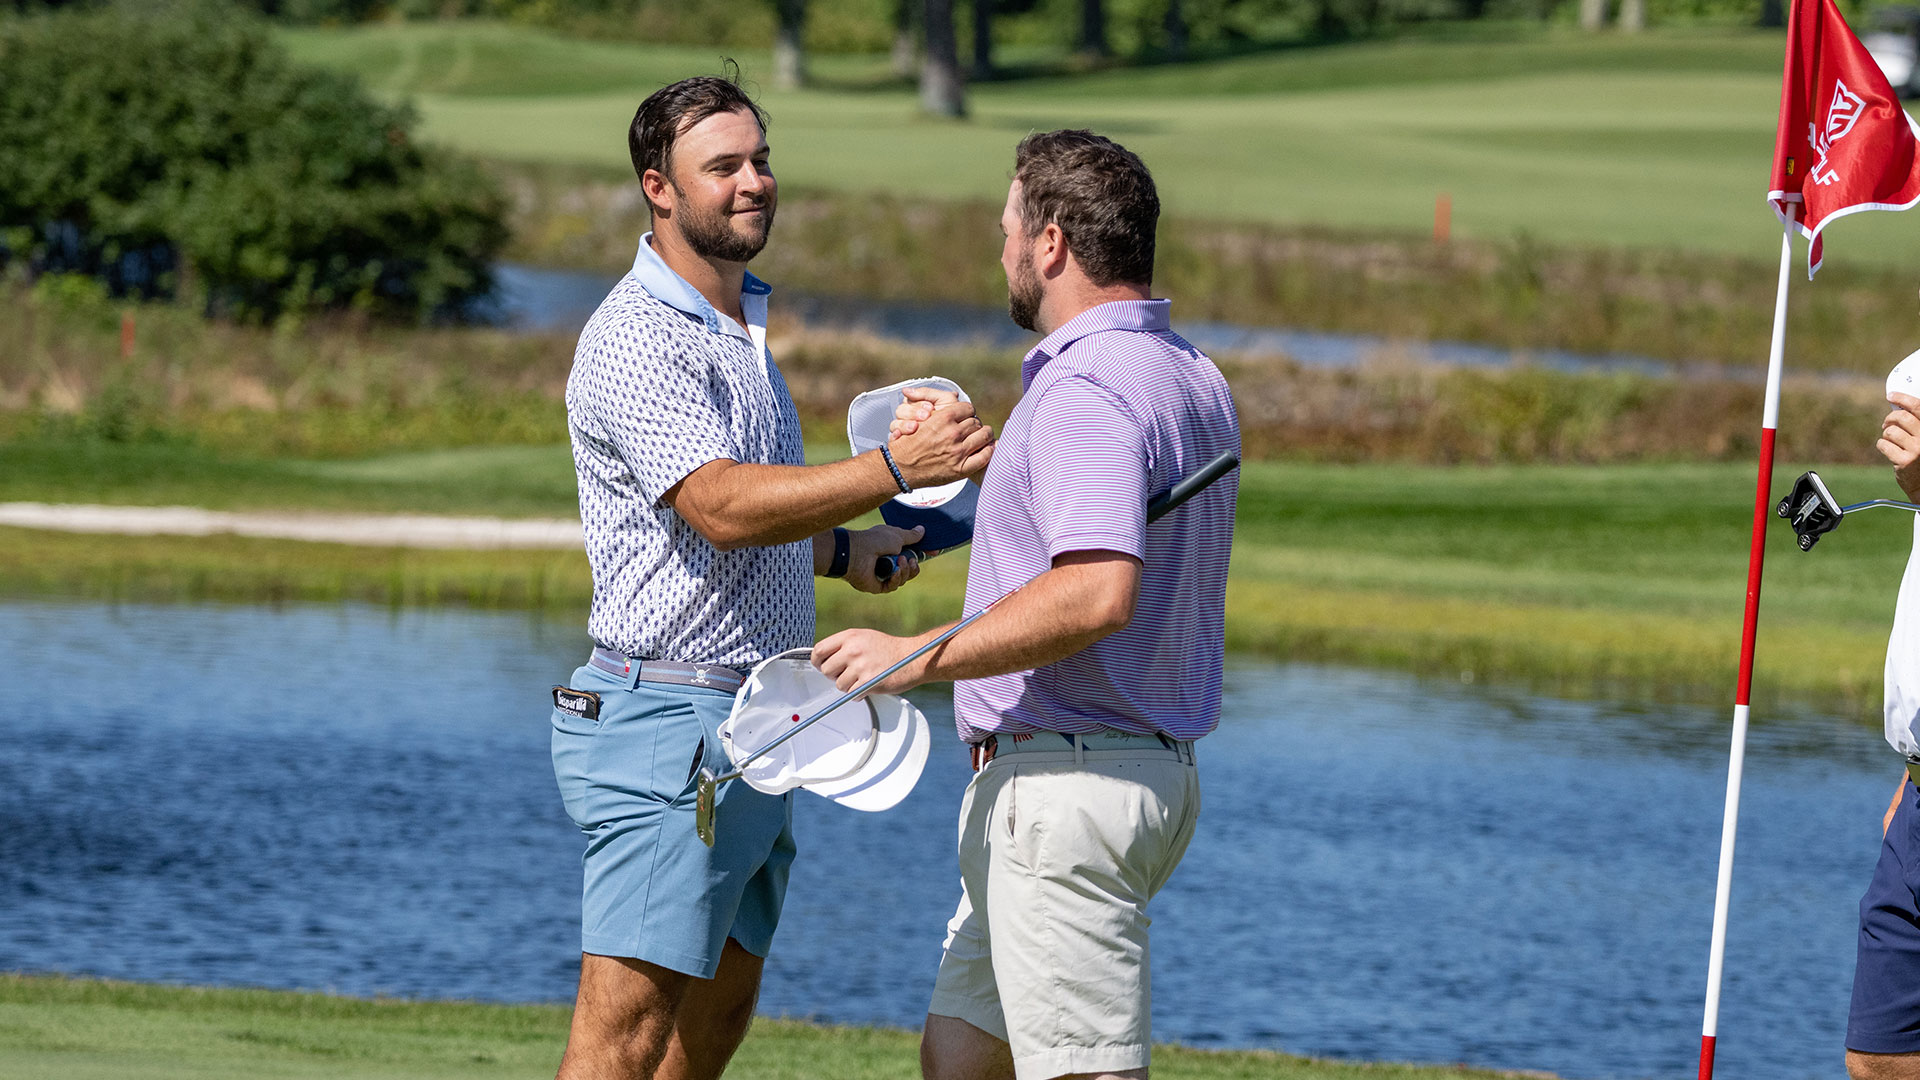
{"x":1844,"y":144}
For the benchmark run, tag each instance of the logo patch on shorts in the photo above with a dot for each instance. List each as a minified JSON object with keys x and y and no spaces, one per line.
{"x":584,"y":704}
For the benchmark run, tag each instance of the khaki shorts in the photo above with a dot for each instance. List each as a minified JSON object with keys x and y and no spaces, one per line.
{"x":1048,"y":950}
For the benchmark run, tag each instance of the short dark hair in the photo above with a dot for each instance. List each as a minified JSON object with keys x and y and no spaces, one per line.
{"x":1099,"y":193}
{"x":671,"y":110}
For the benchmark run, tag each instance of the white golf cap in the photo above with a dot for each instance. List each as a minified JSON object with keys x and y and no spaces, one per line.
{"x":866,"y":754}
{"x":945,"y":511}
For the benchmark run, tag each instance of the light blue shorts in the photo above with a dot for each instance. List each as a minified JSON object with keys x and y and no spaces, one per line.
{"x":652,"y":890}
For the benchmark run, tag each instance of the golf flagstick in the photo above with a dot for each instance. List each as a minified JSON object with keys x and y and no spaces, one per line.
{"x":706,"y":799}
{"x":1756,"y":557}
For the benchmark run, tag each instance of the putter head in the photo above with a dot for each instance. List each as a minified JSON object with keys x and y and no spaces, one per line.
{"x":703,"y":806}
{"x":1811,"y":509}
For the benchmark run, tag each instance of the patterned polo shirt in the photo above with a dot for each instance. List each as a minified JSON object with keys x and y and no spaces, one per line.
{"x":662,"y":383}
{"x":1117,"y":408}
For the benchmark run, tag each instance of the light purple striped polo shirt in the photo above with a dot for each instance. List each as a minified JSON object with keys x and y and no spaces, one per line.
{"x":1117,"y":408}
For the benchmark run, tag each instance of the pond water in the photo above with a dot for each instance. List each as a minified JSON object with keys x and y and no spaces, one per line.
{"x":542,"y":299}
{"x":359,"y":800}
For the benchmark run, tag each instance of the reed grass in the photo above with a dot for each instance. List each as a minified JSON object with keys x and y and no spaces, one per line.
{"x":336,"y":389}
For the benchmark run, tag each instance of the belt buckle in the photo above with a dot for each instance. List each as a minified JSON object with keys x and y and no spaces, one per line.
{"x":983,"y":751}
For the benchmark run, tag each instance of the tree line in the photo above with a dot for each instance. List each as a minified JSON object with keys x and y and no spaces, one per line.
{"x":945,"y":44}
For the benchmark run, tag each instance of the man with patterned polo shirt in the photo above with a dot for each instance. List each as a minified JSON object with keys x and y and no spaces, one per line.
{"x":704,"y":528}
{"x":1084,"y":692}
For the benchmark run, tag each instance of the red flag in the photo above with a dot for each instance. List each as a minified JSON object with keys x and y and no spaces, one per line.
{"x":1844,"y":144}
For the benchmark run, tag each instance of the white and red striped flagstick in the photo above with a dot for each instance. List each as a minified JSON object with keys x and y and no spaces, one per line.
{"x":1756,"y":558}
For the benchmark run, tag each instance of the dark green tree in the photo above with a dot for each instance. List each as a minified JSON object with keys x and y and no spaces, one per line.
{"x":982,"y":40}
{"x":789,"y":45}
{"x":1092,"y":38}
{"x":943,"y":92}
{"x":170,"y":147}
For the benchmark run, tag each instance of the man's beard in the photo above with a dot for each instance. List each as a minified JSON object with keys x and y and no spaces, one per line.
{"x":1023,"y":294}
{"x":711,"y":235}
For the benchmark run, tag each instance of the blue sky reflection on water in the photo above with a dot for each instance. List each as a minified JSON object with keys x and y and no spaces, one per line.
{"x":357,"y":799}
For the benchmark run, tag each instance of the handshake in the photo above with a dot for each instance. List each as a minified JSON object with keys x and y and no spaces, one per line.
{"x":934,"y":439}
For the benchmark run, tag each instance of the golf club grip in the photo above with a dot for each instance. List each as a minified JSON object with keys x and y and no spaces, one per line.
{"x":1161,"y":505}
{"x":885,"y":565}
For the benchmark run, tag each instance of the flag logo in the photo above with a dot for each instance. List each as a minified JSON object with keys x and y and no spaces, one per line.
{"x":1844,"y":145}
{"x":1842,"y":113}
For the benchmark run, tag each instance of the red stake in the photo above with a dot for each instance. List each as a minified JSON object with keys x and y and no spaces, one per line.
{"x":126,"y":335}
{"x":1442,"y":218}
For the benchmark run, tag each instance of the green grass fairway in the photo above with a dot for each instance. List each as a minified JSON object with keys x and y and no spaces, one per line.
{"x":86,"y":1029}
{"x":1659,"y":140}
{"x":1616,"y":579}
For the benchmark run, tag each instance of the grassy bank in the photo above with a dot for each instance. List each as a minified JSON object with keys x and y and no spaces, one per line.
{"x":1661,"y":141}
{"x":81,"y":1029}
{"x":1572,"y":579}
{"x":336,"y":389}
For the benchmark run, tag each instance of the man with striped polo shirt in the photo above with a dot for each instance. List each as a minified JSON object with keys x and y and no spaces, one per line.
{"x":1082,"y":694}
{"x":705,"y":528}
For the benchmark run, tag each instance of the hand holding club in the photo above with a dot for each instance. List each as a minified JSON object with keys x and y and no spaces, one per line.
{"x":852,"y":657}
{"x":881,"y":548}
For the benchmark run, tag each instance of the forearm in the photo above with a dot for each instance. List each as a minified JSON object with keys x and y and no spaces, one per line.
{"x":1058,"y":614}
{"x":764,"y":505}
{"x":1886,"y":821}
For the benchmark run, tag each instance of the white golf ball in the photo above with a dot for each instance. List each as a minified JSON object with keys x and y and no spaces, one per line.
{"x":1905,"y":377}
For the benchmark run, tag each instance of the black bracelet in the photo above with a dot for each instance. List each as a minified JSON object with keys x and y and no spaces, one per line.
{"x":887,"y":456}
{"x":842,"y":553}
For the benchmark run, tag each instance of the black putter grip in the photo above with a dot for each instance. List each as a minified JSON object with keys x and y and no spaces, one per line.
{"x":1157,"y":507}
{"x":1161,"y":505}
{"x":885,"y":565}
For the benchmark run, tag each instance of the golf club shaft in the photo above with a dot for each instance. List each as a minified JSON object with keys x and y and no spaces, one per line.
{"x":1895,"y":503}
{"x":1157,"y":507}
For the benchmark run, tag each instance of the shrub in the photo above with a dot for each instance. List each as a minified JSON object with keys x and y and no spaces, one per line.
{"x":171,"y":148}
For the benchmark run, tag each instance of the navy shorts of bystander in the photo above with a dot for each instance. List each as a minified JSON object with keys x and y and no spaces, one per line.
{"x":1885,"y":1016}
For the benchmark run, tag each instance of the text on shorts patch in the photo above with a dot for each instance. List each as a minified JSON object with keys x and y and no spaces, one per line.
{"x":584,"y":704}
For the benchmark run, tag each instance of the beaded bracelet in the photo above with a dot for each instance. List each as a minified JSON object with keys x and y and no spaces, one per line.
{"x":887,"y":456}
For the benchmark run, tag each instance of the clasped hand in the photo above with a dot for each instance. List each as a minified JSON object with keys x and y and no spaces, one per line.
{"x":945,"y":442}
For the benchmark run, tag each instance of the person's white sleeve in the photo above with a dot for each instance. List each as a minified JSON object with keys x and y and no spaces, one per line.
{"x":1902,"y":702}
